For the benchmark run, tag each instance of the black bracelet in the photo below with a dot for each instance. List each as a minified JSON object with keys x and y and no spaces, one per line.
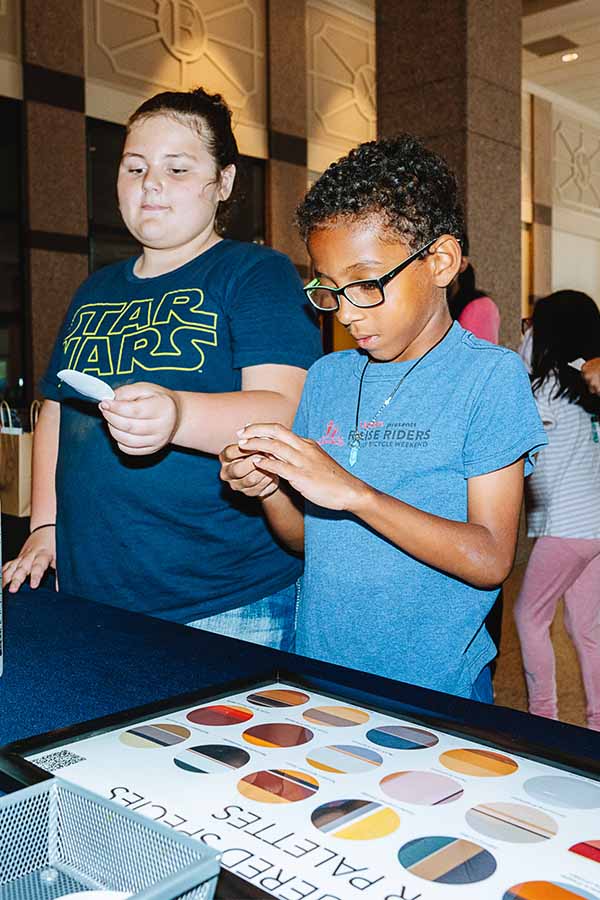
{"x":48,"y":525}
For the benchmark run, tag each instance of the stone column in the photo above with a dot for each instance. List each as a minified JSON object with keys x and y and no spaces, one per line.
{"x":286,"y":168}
{"x":449,"y":71}
{"x":56,"y":244}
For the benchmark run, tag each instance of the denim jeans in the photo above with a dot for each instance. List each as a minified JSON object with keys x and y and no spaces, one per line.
{"x":270,"y":621}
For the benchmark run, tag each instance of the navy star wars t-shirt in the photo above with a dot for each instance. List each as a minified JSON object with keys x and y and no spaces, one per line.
{"x":162,"y":534}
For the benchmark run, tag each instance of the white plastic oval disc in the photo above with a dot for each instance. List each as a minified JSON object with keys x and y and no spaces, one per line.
{"x":88,"y":385}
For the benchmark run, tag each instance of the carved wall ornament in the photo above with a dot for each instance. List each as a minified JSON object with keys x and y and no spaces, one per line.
{"x":146,"y":45}
{"x":342,"y":110}
{"x":576,"y":164}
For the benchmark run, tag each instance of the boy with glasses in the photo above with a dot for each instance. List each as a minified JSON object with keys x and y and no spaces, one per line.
{"x":403,"y":476}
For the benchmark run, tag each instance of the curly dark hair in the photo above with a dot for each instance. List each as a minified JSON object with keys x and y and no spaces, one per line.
{"x":398,"y":179}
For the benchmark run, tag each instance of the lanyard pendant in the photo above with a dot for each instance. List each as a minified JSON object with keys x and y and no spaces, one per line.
{"x":354,"y":447}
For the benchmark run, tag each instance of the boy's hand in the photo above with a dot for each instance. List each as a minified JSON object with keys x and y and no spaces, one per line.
{"x":142,"y":418}
{"x":308,"y":468}
{"x":38,"y":554}
{"x":242,"y":473}
{"x":591,"y":374}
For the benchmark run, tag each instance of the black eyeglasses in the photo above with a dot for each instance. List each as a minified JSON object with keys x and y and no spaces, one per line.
{"x":359,"y":293}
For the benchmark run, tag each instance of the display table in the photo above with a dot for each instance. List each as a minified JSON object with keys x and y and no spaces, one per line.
{"x":177,"y":712}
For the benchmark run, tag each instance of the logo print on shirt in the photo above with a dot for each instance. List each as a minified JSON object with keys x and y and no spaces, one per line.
{"x":332,"y":435}
{"x":116,"y":338}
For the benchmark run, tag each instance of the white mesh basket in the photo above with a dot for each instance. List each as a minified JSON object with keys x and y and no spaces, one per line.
{"x":57,"y":839}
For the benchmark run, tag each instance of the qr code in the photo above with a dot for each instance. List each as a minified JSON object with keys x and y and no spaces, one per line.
{"x":58,"y":759}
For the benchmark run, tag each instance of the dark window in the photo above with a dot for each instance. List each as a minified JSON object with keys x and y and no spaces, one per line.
{"x":12,"y":309}
{"x":109,"y":239}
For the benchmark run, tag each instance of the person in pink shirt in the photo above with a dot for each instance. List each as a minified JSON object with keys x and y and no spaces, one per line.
{"x":473,"y":309}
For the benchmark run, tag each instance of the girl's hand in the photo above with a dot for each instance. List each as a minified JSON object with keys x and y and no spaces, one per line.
{"x":308,"y":468}
{"x":142,"y":418}
{"x":591,"y":374}
{"x":38,"y":554}
{"x":242,"y":473}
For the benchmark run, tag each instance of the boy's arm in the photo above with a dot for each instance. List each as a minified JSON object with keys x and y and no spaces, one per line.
{"x":143,"y":417}
{"x":479,"y":551}
{"x":39,"y":550}
{"x":281,"y":509}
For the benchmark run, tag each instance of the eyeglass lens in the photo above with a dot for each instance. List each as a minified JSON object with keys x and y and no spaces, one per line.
{"x":364,"y":293}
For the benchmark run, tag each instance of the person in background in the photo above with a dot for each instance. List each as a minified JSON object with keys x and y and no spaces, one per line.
{"x":591,"y":375}
{"x":222,"y":331}
{"x":472,"y":308}
{"x":563,"y":508}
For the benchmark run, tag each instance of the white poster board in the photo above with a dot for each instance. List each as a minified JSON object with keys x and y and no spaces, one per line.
{"x":308,"y":796}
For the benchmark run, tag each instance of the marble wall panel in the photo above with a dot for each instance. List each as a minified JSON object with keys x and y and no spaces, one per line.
{"x":53,"y":34}
{"x":493,"y":38}
{"x":56,"y":169}
{"x":54,"y":277}
{"x":287,"y":62}
{"x":286,"y":187}
{"x":493,"y":221}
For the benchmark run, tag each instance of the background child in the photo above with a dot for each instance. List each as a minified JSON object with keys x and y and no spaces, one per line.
{"x":406,"y":453}
{"x":472,"y":308}
{"x":562,"y":504}
{"x":221,"y":329}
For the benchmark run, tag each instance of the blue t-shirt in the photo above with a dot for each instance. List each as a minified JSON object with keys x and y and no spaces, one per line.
{"x":162,"y":534}
{"x":465,"y":410}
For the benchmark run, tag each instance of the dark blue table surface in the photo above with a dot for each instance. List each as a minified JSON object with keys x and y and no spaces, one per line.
{"x":68,"y":660}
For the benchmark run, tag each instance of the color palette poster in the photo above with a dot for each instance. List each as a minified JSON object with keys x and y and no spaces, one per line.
{"x":307,"y":796}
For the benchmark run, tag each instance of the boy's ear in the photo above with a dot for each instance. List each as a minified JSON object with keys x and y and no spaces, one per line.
{"x":446,"y":260}
{"x":226,"y":179}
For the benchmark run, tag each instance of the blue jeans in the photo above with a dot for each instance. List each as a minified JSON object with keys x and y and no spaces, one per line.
{"x":482,"y":689}
{"x":270,"y":621}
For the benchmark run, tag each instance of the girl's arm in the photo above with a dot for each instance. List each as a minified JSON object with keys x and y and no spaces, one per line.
{"x":143,"y":418}
{"x":479,"y":551}
{"x":39,"y":550}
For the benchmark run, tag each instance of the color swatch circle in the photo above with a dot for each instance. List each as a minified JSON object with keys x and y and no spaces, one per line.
{"x":344,"y":759}
{"x":589,"y":849}
{"x":158,"y":734}
{"x":422,"y":788}
{"x":562,"y":791}
{"x":447,"y":860}
{"x":355,"y":820}
{"x":220,"y":714}
{"x":278,"y":698}
{"x":278,"y":734}
{"x":336,"y":716}
{"x":513,"y":822}
{"x":480,"y":763}
{"x":547,"y":890}
{"x":278,"y":786}
{"x":211,"y":759}
{"x":402,"y":737}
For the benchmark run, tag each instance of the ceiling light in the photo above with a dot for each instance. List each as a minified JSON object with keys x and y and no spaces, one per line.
{"x":569,"y":57}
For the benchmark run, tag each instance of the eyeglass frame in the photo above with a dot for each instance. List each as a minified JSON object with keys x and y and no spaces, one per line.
{"x":380,"y":282}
